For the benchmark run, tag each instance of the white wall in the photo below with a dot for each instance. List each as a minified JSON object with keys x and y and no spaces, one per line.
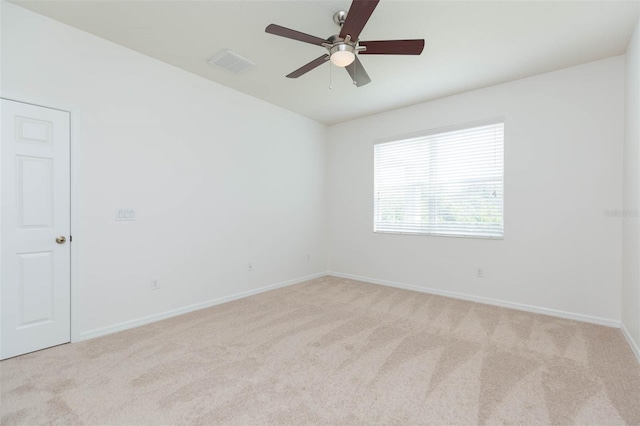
{"x":563,"y":152}
{"x":218,"y":179}
{"x":631,"y":225}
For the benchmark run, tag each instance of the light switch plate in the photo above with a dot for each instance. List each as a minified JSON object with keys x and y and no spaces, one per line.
{"x":125,"y":214}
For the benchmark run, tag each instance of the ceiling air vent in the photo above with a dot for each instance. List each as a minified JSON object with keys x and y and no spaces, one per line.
{"x":231,"y":62}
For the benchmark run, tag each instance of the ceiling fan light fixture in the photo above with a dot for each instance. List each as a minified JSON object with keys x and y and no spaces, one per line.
{"x":342,"y":55}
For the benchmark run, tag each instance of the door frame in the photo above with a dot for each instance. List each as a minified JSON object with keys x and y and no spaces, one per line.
{"x":74,"y":176}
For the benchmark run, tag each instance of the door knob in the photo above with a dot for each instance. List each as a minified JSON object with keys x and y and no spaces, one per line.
{"x":61,"y":239}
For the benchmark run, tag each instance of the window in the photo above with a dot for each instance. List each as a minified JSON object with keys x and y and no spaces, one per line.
{"x":445,"y":182}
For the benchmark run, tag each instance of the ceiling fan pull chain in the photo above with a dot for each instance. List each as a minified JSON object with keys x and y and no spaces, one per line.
{"x":330,"y":77}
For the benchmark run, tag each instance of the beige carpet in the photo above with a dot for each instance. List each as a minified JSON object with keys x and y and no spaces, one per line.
{"x":333,"y":351}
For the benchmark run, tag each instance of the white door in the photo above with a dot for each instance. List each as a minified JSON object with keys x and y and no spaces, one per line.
{"x":36,"y":271}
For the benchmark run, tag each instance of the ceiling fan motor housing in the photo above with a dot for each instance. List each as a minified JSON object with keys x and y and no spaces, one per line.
{"x":342,"y":47}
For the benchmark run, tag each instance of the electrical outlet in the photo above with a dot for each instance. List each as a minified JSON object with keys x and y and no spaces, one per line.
{"x":154,"y":283}
{"x":480,"y":273}
{"x":250,"y":267}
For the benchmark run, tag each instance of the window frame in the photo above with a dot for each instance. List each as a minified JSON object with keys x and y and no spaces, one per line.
{"x":435,"y":131}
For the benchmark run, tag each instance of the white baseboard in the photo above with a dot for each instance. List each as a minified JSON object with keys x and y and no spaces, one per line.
{"x":632,"y":343}
{"x":90,"y":334}
{"x":97,"y":332}
{"x":486,"y":300}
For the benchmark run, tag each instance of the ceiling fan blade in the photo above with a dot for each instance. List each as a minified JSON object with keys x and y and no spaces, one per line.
{"x":357,"y":17}
{"x":392,"y":47}
{"x":357,"y":73}
{"x":293,"y":34}
{"x":308,"y":67}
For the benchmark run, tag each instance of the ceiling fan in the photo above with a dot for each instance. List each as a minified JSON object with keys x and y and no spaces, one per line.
{"x":345,"y":47}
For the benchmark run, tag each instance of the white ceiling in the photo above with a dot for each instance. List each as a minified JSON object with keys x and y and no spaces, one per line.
{"x":469,"y":45}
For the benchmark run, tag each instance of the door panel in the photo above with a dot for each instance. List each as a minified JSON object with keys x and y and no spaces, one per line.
{"x":35,"y":288}
{"x":35,"y":277}
{"x":35,"y":191}
{"x":32,"y":130}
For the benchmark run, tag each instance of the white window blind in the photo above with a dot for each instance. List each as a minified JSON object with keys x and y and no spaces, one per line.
{"x":449,"y":182}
